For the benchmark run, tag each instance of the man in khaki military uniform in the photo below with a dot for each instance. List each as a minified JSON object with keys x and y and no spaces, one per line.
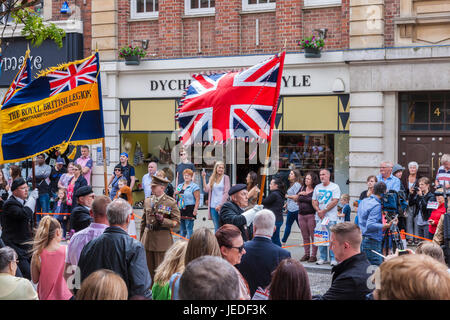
{"x":161,"y":214}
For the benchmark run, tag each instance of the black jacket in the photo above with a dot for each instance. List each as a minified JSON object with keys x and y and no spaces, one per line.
{"x":80,"y":182}
{"x":230,"y":213}
{"x":117,"y":251}
{"x":16,"y":221}
{"x":421,"y":204}
{"x":80,"y":218}
{"x":261,"y":258}
{"x":275,"y":202}
{"x":349,"y":280}
{"x":55,"y":175}
{"x":305,"y":203}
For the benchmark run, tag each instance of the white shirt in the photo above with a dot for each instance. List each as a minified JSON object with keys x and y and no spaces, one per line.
{"x":325,"y":194}
{"x":217,"y":193}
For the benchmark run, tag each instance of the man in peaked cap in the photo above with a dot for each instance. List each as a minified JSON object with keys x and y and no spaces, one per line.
{"x":161,"y":214}
{"x":80,"y":217}
{"x":16,"y":220}
{"x":231,"y":212}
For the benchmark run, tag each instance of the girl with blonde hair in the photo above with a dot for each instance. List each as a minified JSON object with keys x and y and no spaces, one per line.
{"x":202,"y":243}
{"x":47,"y":261}
{"x":217,"y":188}
{"x":173,"y":262}
{"x":103,"y":284}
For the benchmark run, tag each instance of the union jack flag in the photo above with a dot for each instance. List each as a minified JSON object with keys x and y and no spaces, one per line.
{"x":73,"y":76}
{"x":22,"y":78}
{"x":231,"y":105}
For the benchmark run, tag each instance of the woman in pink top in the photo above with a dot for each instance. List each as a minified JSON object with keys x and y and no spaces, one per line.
{"x":47,"y":262}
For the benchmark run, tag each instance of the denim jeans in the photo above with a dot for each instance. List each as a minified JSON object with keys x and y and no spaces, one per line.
{"x":43,"y":204}
{"x":186,"y":228}
{"x":291,"y":217}
{"x":411,"y":226}
{"x":276,"y":234}
{"x":215,"y":218}
{"x":323,"y":250}
{"x":367,"y":245}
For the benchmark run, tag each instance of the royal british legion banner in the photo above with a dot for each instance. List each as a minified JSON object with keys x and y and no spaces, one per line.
{"x":61,"y":106}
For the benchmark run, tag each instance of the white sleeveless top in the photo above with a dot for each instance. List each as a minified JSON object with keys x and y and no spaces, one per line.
{"x":217,"y":193}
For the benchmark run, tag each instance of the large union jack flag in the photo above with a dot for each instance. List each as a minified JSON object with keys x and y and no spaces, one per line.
{"x":231,"y":105}
{"x":22,"y":78}
{"x":74,"y":75}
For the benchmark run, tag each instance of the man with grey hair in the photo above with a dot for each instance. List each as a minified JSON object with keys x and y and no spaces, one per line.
{"x":443,"y":172}
{"x":117,"y":251}
{"x":386,"y":176}
{"x":209,"y":278}
{"x":262,"y":255}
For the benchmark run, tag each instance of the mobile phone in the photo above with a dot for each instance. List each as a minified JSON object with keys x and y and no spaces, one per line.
{"x":402,"y":252}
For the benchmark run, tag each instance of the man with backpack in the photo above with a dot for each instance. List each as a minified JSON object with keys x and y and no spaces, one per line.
{"x":371,"y":223}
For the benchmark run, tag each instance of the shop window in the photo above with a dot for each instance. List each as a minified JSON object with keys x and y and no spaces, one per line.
{"x":321,"y":3}
{"x":306,"y":152}
{"x":195,"y":7}
{"x":424,"y":111}
{"x":141,"y":9}
{"x":257,"y":5}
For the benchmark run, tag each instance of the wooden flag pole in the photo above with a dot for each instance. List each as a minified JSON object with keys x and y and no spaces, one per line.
{"x":263,"y":177}
{"x":105,"y":177}
{"x":33,"y":181}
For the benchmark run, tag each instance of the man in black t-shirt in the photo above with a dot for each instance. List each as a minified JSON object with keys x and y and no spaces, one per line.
{"x":127,"y":170}
{"x":183,"y":165}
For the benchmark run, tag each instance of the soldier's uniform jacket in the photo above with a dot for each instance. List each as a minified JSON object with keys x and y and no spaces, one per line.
{"x":156,"y":235}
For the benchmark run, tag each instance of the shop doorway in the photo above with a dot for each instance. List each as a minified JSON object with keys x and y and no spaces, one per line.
{"x":424,"y":134}
{"x":426,"y":150}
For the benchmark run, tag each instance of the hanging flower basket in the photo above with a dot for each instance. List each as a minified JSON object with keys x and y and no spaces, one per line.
{"x":132,"y":60}
{"x":132,"y":55}
{"x":312,"y":53}
{"x":312,"y":46}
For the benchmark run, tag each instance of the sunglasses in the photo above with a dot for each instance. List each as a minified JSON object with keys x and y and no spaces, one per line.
{"x":241,"y":248}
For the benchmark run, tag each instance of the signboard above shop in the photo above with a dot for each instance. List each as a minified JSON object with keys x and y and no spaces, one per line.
{"x":295,"y":81}
{"x":48,"y":54}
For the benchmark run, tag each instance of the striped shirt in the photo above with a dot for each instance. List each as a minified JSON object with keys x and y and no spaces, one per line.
{"x":443,"y":176}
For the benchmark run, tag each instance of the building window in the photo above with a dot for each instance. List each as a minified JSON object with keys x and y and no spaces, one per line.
{"x":425,"y":111}
{"x":257,"y":5}
{"x":144,"y":9}
{"x":321,"y":3}
{"x":6,"y":18}
{"x":194,"y":7}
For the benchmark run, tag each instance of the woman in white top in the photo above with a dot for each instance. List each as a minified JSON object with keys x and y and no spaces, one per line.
{"x":12,"y":287}
{"x":217,"y":188}
{"x":291,"y":203}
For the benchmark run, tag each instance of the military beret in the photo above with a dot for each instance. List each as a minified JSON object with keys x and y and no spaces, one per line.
{"x":83,"y":191}
{"x":236,"y":188}
{"x":17,"y":183}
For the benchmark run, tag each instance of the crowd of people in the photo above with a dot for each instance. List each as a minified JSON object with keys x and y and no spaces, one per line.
{"x":242,"y":259}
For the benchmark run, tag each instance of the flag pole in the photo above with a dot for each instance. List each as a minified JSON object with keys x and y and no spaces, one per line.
{"x":104,"y":167}
{"x":266,"y":162}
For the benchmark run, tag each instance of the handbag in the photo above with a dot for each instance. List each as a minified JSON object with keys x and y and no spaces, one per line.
{"x":321,"y":235}
{"x":165,"y":153}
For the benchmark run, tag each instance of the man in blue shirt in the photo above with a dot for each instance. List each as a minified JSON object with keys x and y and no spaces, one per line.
{"x":371,"y":223}
{"x":392,"y":182}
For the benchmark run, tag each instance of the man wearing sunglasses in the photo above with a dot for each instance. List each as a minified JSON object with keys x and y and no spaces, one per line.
{"x":80,"y":217}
